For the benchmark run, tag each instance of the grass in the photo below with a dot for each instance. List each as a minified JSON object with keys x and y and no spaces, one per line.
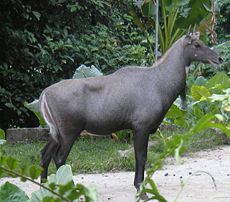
{"x":96,"y":154}
{"x":208,"y":139}
{"x":88,"y":155}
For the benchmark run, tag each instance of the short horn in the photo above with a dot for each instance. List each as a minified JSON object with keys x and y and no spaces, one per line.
{"x":194,"y":29}
{"x":189,"y":28}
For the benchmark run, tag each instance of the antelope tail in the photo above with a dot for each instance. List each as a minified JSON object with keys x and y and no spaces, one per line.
{"x":48,"y":117}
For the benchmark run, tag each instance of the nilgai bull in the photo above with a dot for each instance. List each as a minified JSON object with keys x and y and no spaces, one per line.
{"x":130,"y":98}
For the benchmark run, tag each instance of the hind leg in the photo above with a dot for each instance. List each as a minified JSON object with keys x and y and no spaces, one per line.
{"x":141,"y":138}
{"x":64,"y":149}
{"x":46,"y":154}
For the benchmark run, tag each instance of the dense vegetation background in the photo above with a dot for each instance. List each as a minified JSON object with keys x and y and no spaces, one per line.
{"x":45,"y":41}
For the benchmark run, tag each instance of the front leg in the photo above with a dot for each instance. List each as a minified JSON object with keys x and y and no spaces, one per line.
{"x":183,"y":99}
{"x":141,"y":138}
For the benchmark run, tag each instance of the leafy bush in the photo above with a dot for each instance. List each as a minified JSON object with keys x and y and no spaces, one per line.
{"x":223,"y":21}
{"x":224,"y":51}
{"x":205,"y":96}
{"x":2,"y":136}
{"x":81,"y":72}
{"x":175,"y":18}
{"x":43,"y":42}
{"x":208,"y":71}
{"x":33,"y":106}
{"x":59,"y":187}
{"x":209,"y":107}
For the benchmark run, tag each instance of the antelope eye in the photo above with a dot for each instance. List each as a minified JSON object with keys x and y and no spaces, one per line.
{"x":197,"y":45}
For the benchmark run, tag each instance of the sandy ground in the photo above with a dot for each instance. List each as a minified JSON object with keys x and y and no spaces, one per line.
{"x":118,"y":187}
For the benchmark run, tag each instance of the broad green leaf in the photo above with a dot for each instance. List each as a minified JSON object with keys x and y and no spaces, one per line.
{"x":2,"y":134}
{"x":224,"y":99}
{"x":11,"y":193}
{"x":206,"y":122}
{"x":220,"y":80}
{"x":197,"y":111}
{"x":200,"y":93}
{"x":49,"y":199}
{"x":11,"y":163}
{"x":227,"y":108}
{"x":42,"y":122}
{"x":175,"y":112}
{"x":148,"y":8}
{"x":2,"y":137}
{"x":34,"y":107}
{"x":84,"y":72}
{"x":219,"y":117}
{"x":36,"y":14}
{"x":218,"y":97}
{"x":201,"y":81}
{"x":176,"y":115}
{"x":89,"y":193}
{"x":35,"y":171}
{"x":197,"y":13}
{"x":155,"y":194}
{"x":2,"y":141}
{"x":66,"y":189}
{"x":177,"y":152}
{"x":203,"y":123}
{"x":136,"y":19}
{"x":220,"y":126}
{"x":64,"y":175}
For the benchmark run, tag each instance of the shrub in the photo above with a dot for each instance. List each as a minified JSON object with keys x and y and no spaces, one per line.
{"x":43,"y":42}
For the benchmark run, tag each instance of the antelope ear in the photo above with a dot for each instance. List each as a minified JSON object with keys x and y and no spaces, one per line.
{"x":197,"y":35}
{"x":188,"y":39}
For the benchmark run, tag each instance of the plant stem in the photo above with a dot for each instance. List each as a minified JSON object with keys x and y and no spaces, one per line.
{"x":156,"y":29}
{"x":37,"y":183}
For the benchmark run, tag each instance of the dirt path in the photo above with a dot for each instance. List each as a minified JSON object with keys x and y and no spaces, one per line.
{"x":118,"y":187}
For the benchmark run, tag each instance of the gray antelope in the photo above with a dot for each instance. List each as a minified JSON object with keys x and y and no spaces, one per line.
{"x":130,"y":98}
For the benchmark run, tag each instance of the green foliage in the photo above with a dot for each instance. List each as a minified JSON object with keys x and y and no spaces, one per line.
{"x":59,"y":187}
{"x":223,"y":98}
{"x":176,"y":144}
{"x":199,"y":93}
{"x":209,"y":110}
{"x":223,"y":20}
{"x":125,"y":136}
{"x":224,"y":51}
{"x":2,"y":136}
{"x":194,"y":13}
{"x":92,"y":155}
{"x":10,"y":192}
{"x":208,"y":71}
{"x":214,"y":96}
{"x":208,"y":95}
{"x":170,"y":32}
{"x":84,"y":72}
{"x":107,"y":54}
{"x":219,"y":81}
{"x":152,"y":191}
{"x":175,"y":17}
{"x":10,"y":166}
{"x":176,"y":115}
{"x":33,"y":106}
{"x":43,"y":42}
{"x":81,"y":72}
{"x":62,"y":183}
